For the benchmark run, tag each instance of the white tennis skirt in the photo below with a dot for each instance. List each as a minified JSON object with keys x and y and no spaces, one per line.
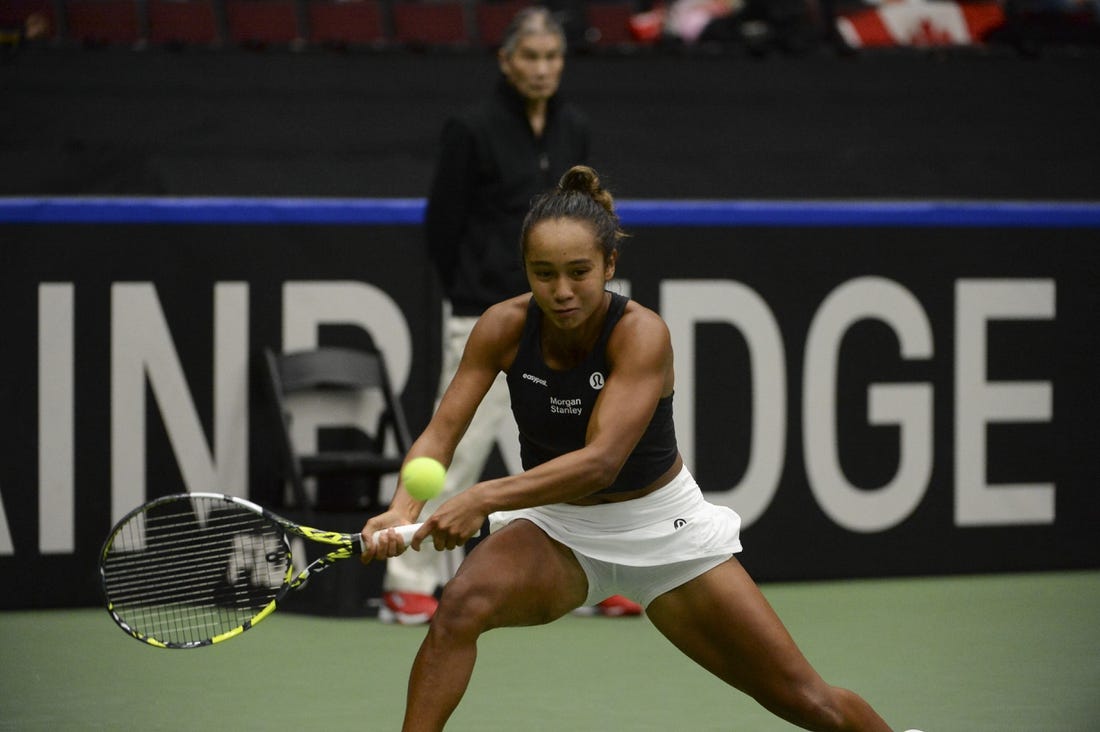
{"x":672,"y":524}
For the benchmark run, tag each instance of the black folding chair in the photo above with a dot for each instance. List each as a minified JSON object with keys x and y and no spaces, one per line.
{"x":347,"y":469}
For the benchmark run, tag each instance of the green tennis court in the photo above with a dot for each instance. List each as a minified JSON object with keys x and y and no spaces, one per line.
{"x":998,"y":653}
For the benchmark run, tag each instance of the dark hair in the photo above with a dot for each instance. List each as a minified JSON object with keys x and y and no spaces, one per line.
{"x":579,"y":196}
{"x":535,"y":19}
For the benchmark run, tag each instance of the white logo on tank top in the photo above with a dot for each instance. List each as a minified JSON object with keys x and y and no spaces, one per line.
{"x":596,"y":380}
{"x":537,"y":380}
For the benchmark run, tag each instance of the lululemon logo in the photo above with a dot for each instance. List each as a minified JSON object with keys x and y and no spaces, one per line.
{"x":596,"y":380}
{"x":679,"y":523}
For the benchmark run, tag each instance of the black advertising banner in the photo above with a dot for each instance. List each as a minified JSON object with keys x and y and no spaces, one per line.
{"x":887,"y":401}
{"x":877,"y":393}
{"x":132,"y":367}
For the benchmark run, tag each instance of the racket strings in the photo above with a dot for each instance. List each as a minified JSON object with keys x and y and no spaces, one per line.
{"x":186,"y":571}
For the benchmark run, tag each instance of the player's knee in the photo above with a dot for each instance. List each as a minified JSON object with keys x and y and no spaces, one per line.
{"x":463,"y":609}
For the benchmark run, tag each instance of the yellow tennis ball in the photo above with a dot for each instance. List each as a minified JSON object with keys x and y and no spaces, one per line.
{"x":423,"y":477}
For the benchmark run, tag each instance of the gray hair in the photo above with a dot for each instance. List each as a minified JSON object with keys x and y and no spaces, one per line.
{"x":535,"y":19}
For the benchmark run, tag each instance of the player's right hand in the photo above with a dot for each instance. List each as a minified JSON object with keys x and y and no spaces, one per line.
{"x":379,"y":542}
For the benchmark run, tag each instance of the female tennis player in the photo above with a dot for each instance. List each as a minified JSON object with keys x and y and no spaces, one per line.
{"x":605,"y":504}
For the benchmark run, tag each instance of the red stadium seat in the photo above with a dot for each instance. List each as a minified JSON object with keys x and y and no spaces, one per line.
{"x":346,"y":22}
{"x":608,"y":23}
{"x":262,"y":22}
{"x":183,"y":22}
{"x":104,"y":22}
{"x":493,"y":19}
{"x":430,"y":24}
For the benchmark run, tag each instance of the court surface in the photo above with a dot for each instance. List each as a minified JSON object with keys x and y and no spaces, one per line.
{"x":996,"y":653}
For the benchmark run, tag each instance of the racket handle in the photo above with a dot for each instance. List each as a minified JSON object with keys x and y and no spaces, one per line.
{"x":405,"y":532}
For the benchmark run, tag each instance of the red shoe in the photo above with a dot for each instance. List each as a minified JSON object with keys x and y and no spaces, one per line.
{"x":615,"y":606}
{"x":407,"y":608}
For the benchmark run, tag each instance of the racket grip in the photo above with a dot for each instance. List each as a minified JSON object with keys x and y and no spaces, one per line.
{"x":405,"y":532}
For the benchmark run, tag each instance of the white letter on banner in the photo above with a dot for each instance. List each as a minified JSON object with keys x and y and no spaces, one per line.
{"x":906,"y":405}
{"x":141,"y":346}
{"x":979,"y":402}
{"x":309,"y":304}
{"x":7,"y":546}
{"x":687,"y":302}
{"x":56,"y":495}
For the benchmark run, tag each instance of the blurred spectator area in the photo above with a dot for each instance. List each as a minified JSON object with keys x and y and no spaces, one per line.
{"x":369,"y":24}
{"x":592,"y":25}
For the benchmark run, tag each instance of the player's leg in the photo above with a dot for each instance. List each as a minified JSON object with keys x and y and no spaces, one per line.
{"x":723,"y":622}
{"x":517,"y":576}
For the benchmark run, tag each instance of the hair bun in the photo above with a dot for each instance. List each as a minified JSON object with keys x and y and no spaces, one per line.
{"x":583,"y":179}
{"x":580,"y":197}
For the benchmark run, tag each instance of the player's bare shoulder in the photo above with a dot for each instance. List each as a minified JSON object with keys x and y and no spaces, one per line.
{"x":499,"y":329}
{"x":639,"y":331}
{"x":505,"y":320}
{"x":640,"y":321}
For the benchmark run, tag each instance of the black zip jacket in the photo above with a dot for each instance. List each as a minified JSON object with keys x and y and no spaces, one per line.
{"x":489,"y":168}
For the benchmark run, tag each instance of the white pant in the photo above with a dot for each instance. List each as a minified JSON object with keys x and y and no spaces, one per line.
{"x":421,"y":572}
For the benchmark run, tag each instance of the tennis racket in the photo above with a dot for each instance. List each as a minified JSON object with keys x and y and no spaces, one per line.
{"x":194,"y":569}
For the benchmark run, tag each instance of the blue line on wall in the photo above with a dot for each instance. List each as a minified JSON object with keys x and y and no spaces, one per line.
{"x":410,"y":211}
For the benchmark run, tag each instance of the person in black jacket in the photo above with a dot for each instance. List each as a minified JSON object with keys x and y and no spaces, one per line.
{"x":495,"y":156}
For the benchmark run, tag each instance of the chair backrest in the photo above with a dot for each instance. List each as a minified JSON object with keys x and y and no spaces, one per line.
{"x":350,"y":23}
{"x":609,"y":23}
{"x":183,"y":22}
{"x":262,"y":22}
{"x":330,"y":368}
{"x":494,"y":17}
{"x":437,"y":24}
{"x":104,"y":22}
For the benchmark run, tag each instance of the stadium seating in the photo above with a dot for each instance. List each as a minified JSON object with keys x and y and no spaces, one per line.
{"x":104,"y":22}
{"x":418,"y":25}
{"x":608,"y":23}
{"x":183,"y":22}
{"x":493,"y":19}
{"x":14,"y":15}
{"x":423,"y":24}
{"x":347,"y":22}
{"x":259,"y":23}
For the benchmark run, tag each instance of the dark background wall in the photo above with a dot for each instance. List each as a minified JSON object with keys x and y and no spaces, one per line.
{"x":971,"y":125}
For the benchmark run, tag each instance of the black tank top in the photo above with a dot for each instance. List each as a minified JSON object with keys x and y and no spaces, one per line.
{"x":552,"y":407}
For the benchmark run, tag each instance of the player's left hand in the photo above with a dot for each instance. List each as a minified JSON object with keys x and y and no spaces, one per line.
{"x":452,"y":525}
